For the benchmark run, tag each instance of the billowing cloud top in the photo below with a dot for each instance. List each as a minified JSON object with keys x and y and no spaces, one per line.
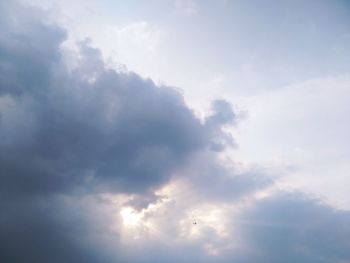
{"x":99,"y":165}
{"x":90,"y":126}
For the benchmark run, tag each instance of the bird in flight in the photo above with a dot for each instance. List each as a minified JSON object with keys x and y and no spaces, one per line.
{"x":194,"y":221}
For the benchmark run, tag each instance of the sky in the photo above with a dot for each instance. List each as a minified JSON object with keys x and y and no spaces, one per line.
{"x":174,"y":131}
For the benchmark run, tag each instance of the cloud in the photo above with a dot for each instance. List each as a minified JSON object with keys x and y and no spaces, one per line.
{"x":90,"y":126}
{"x":293,"y":227}
{"x":78,"y":146}
{"x":283,"y":227}
{"x":50,"y":230}
{"x":76,"y":132}
{"x":28,"y":48}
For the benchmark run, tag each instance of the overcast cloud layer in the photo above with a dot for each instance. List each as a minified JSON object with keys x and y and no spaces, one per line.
{"x":80,"y":145}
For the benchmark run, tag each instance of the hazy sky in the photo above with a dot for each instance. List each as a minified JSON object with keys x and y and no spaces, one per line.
{"x":174,"y":131}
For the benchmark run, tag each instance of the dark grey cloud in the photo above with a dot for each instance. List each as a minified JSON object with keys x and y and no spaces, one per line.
{"x":28,"y":48}
{"x":91,"y":127}
{"x":73,"y":132}
{"x":49,"y":230}
{"x":120,"y":128}
{"x":294,"y":228}
{"x":222,"y":115}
